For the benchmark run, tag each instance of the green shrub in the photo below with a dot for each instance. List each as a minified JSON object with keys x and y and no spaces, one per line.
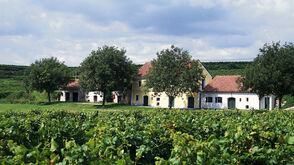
{"x":147,"y":137}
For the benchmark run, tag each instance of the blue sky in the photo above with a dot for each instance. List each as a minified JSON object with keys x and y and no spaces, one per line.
{"x":211,"y":30}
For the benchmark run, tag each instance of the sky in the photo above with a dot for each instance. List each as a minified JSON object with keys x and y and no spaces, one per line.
{"x":211,"y":30}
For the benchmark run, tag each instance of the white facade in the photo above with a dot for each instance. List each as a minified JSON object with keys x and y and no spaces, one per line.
{"x":162,"y":100}
{"x":77,"y":96}
{"x":210,"y":100}
{"x":72,"y":96}
{"x":94,"y":96}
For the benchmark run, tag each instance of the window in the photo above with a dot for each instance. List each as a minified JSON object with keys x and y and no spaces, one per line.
{"x":137,"y":97}
{"x":157,"y":103}
{"x":203,"y":83}
{"x":139,"y":83}
{"x":247,"y":99}
{"x":247,"y":106}
{"x":218,"y":100}
{"x":209,"y":99}
{"x":240,"y":99}
{"x":158,"y":99}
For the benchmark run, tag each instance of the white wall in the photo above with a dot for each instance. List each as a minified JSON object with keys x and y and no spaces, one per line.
{"x":90,"y":96}
{"x":179,"y":102}
{"x":272,"y":102}
{"x":63,"y":95}
{"x":240,"y":100}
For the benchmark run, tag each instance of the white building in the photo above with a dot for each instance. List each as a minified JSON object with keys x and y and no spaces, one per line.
{"x":223,"y":92}
{"x":73,"y":93}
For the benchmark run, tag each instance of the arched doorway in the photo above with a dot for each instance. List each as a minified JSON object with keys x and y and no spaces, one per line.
{"x":231,"y":103}
{"x":145,"y":100}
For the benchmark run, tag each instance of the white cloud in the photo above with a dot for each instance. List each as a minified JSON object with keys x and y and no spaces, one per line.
{"x":69,"y":30}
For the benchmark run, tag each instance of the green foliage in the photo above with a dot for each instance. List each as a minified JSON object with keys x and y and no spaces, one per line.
{"x":147,"y":137}
{"x":107,"y":69}
{"x":174,"y":73}
{"x":222,"y":72}
{"x":47,"y":74}
{"x":225,"y":65}
{"x":12,"y":71}
{"x":289,"y":101}
{"x":272,"y":71}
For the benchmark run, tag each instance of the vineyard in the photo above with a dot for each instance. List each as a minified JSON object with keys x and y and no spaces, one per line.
{"x":147,"y":137}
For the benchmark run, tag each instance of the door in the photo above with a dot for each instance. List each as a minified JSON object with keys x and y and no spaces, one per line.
{"x":75,"y":96}
{"x":231,"y":103}
{"x":266,"y":102}
{"x":67,"y":96}
{"x":171,"y":102}
{"x":190,"y":102}
{"x":145,"y":101}
{"x":95,"y":99}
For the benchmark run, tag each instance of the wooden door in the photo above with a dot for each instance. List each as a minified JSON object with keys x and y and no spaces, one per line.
{"x":145,"y":101}
{"x":95,"y":99}
{"x":67,"y":96}
{"x":266,"y":102}
{"x":75,"y":96}
{"x":231,"y":103}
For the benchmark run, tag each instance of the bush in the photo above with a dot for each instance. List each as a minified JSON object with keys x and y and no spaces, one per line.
{"x":147,"y":137}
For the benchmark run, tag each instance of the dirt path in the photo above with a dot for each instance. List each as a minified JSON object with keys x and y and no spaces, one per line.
{"x":290,"y":108}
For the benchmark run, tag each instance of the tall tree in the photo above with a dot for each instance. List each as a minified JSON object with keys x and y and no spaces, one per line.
{"x":272,"y":71}
{"x":174,"y":73}
{"x":47,"y":74}
{"x":107,"y":69}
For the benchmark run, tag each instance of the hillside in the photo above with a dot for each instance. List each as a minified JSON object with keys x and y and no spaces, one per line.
{"x":225,"y":68}
{"x":11,"y":77}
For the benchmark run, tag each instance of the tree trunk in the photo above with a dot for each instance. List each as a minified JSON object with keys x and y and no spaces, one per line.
{"x":49,"y":98}
{"x":280,"y":102}
{"x":170,"y":102}
{"x":103,"y":102}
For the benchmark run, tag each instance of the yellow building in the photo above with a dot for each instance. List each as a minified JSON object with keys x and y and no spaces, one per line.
{"x":145,"y":97}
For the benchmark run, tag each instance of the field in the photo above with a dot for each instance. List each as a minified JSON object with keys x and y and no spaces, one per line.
{"x":147,"y":136}
{"x":70,"y":107}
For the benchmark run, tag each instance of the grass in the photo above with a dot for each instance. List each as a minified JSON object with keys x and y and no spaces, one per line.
{"x":73,"y":107}
{"x":78,"y":107}
{"x":289,"y":101}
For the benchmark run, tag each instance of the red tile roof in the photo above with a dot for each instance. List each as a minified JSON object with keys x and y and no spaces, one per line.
{"x":223,"y":84}
{"x":144,"y":70}
{"x":74,"y":84}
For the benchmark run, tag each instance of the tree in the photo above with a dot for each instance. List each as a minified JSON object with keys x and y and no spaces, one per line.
{"x":272,"y":71}
{"x":174,"y":73}
{"x":107,"y":69}
{"x":47,"y":74}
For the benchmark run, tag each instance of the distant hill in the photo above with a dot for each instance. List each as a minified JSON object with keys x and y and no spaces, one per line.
{"x":215,"y":68}
{"x":12,"y":71}
{"x":225,"y":68}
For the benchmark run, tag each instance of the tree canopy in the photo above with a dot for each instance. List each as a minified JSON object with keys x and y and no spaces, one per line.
{"x":174,"y":73}
{"x":272,"y":71}
{"x":47,"y":74}
{"x":107,"y":69}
